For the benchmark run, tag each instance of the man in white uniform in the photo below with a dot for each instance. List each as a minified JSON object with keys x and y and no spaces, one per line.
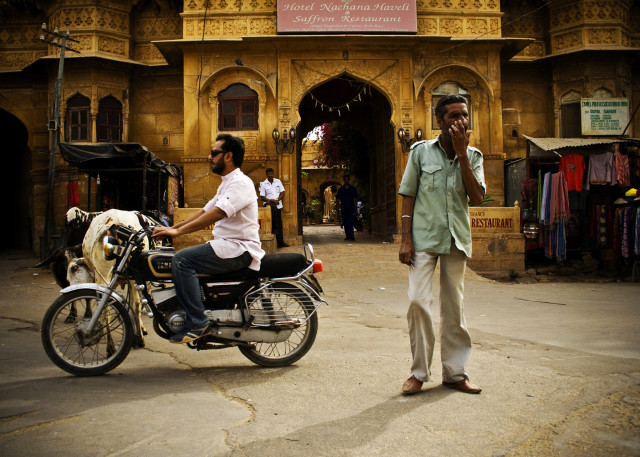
{"x":272,"y":193}
{"x":236,"y":244}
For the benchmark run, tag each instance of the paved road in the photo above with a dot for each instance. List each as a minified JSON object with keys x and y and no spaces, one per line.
{"x":559,"y":364}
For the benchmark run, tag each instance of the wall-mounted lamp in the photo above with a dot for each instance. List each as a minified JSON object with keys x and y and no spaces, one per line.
{"x":286,"y":143}
{"x":405,"y":141}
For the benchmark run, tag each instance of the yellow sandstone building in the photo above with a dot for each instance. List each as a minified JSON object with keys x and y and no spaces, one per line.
{"x":171,"y":75}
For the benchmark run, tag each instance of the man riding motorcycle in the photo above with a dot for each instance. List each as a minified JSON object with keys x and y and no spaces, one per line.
{"x":236,"y":244}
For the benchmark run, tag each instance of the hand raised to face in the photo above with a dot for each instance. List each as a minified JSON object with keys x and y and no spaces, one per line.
{"x":459,"y":136}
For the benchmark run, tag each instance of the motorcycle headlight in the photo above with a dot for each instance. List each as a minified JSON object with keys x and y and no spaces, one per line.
{"x":111,"y":248}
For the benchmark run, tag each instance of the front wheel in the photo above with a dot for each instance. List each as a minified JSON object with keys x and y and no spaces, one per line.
{"x":69,"y":346}
{"x":283,"y":301}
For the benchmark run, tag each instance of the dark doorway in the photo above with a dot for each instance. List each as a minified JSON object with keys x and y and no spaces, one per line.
{"x":16,"y":183}
{"x":368,"y":113}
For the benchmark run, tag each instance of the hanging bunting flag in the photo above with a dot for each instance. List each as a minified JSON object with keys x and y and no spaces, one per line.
{"x":358,"y":98}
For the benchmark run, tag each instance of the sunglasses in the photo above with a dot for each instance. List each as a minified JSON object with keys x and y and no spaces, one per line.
{"x":215,"y":152}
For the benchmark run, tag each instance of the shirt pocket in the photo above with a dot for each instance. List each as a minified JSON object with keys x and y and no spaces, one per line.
{"x":459,"y":184}
{"x":432,"y":176}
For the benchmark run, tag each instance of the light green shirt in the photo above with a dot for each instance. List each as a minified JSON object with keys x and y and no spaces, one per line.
{"x":441,"y":209}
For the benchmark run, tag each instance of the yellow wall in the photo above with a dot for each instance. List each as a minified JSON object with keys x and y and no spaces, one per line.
{"x":167,"y":66}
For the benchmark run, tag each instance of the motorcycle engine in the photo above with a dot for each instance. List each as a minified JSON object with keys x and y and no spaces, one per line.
{"x":167,"y":303}
{"x":175,"y":317}
{"x":176,"y":320}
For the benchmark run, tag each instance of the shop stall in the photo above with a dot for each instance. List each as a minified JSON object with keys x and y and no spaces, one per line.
{"x":580,"y":195}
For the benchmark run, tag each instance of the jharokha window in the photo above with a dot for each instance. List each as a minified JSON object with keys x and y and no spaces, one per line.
{"x":237,"y":108}
{"x":78,"y":119}
{"x":109,"y":120}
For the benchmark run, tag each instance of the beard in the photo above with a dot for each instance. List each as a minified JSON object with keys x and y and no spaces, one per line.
{"x":217,"y":168}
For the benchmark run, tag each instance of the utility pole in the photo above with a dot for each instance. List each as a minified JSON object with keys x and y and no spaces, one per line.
{"x":54,"y":126}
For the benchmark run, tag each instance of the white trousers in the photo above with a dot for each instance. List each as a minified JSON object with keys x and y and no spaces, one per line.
{"x":455,"y":342}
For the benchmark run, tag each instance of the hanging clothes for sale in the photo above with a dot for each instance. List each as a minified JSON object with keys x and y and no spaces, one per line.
{"x":539,"y":204}
{"x":560,"y":212}
{"x":623,"y":174}
{"x":546,"y":196}
{"x":572,"y":165}
{"x":73,"y":198}
{"x":559,"y":198}
{"x":601,"y":170}
{"x":555,"y":214}
{"x":626,"y":231}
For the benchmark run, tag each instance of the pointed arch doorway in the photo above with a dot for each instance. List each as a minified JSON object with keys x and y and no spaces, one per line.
{"x":16,"y":183}
{"x":368,"y":119}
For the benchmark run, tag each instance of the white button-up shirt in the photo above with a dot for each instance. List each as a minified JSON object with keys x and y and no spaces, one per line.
{"x":272,"y":190}
{"x":239,"y":231}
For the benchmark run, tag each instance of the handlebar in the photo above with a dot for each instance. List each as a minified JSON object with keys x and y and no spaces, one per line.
{"x":127,"y":233}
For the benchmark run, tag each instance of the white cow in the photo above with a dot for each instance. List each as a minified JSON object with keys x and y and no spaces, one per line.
{"x":92,"y":250}
{"x":77,"y":273}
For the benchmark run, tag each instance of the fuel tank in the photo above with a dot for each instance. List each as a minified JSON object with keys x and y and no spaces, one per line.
{"x":154,"y":265}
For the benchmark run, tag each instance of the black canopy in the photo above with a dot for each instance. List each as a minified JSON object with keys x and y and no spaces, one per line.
{"x":95,"y":157}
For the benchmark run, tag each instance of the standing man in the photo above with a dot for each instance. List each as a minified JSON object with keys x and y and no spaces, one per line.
{"x":272,"y":193}
{"x":236,"y":243}
{"x":348,"y":196}
{"x":440,"y":177}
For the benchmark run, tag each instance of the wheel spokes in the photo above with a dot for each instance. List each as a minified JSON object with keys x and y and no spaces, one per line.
{"x":85,"y":350}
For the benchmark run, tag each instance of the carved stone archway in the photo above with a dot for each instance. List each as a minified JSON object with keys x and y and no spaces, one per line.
{"x":17,"y":183}
{"x":379,"y":74}
{"x":478,"y":88}
{"x":370,"y":116}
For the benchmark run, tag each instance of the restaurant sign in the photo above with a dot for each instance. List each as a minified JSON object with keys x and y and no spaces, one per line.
{"x":604,"y":116}
{"x":494,"y":219}
{"x":347,"y":16}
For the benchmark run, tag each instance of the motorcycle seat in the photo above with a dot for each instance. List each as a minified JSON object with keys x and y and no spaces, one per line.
{"x":271,"y":266}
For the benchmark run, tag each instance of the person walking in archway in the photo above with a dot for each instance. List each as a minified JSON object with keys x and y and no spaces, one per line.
{"x":348,"y":196}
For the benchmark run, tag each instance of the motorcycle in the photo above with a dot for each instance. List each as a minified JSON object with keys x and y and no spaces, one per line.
{"x":269,"y":315}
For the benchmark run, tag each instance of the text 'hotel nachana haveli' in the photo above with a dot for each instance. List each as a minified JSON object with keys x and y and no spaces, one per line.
{"x":171,"y":75}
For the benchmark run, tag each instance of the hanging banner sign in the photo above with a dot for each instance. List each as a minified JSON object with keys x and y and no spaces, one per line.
{"x":347,"y":16}
{"x":604,"y":116}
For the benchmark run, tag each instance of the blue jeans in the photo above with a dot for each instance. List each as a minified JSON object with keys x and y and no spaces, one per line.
{"x":186,"y":266}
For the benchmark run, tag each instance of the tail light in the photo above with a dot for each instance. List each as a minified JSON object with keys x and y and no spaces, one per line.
{"x":317,"y":266}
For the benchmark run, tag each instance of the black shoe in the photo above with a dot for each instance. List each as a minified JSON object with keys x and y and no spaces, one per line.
{"x":283,"y":245}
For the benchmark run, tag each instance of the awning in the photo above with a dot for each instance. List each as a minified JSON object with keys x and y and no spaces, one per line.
{"x":545,"y":147}
{"x":96,"y":157}
{"x":550,"y":144}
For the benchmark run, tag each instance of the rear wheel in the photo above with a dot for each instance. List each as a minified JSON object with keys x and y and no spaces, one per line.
{"x":67,"y":345}
{"x":283,"y":302}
